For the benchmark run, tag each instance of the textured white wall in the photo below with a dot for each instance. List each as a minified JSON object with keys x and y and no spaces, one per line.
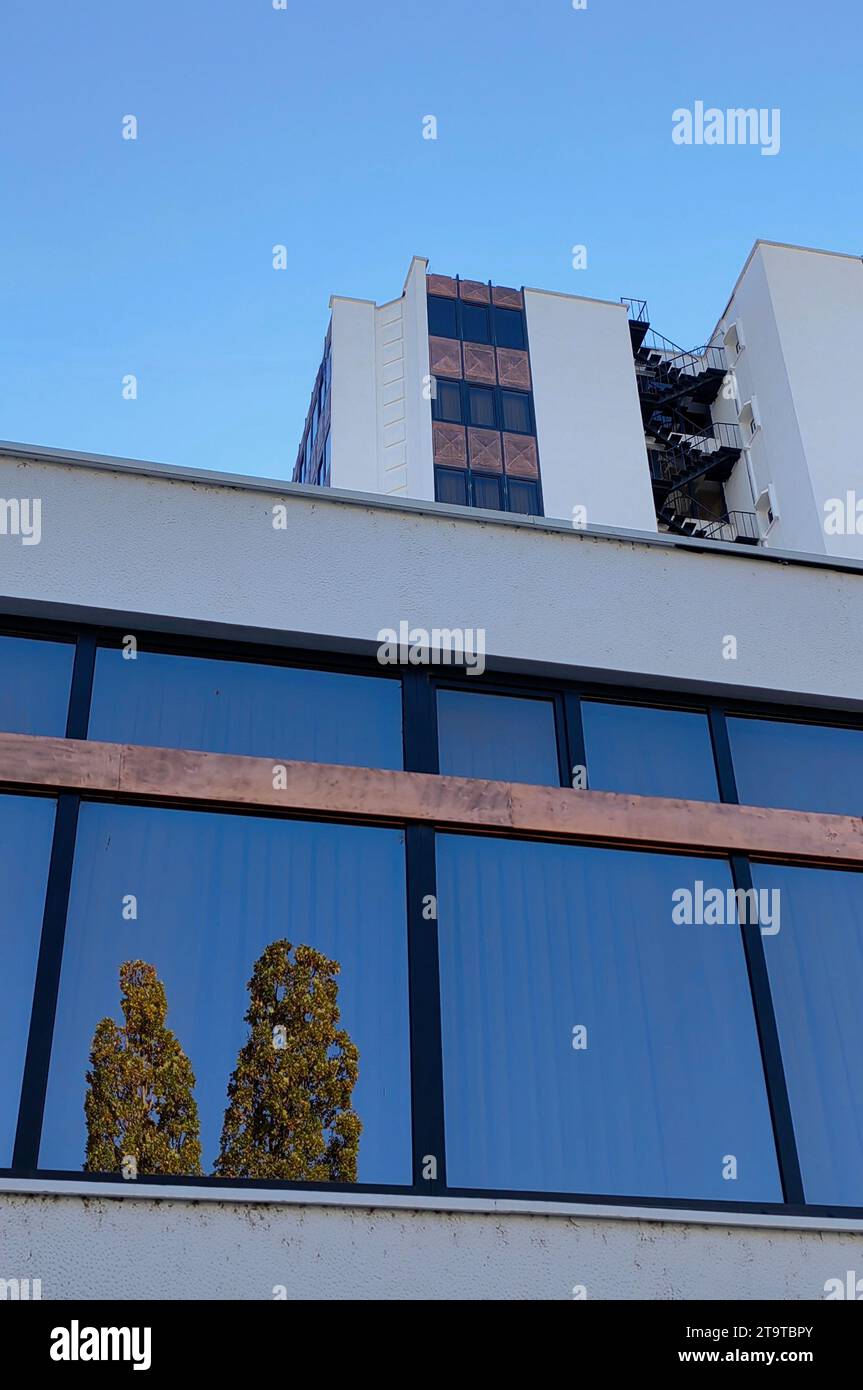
{"x":776,"y":450}
{"x":418,"y":418}
{"x":391,"y":391}
{"x":98,"y":1248}
{"x":117,"y":540}
{"x":589,"y":431}
{"x":818,"y":305}
{"x":381,"y":424}
{"x":802,"y":314}
{"x":354,"y":414}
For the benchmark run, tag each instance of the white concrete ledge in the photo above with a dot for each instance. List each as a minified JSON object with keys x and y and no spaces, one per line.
{"x":495,"y":1206}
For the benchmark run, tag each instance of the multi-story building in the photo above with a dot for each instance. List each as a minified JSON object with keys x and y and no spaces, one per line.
{"x":550,"y":404}
{"x":590,"y":903}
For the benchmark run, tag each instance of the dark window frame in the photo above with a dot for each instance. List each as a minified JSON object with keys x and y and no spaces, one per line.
{"x":527,"y":398}
{"x":522,"y":484}
{"x":486,"y":394}
{"x":454,"y":386}
{"x":419,"y":686}
{"x":491,"y":311}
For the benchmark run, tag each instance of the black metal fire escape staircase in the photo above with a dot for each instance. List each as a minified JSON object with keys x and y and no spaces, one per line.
{"x":676,"y":388}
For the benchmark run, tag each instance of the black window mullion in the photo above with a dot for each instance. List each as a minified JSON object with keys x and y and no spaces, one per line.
{"x":725,"y":779}
{"x":427,"y":1102}
{"x":81,"y":691}
{"x":34,"y":1086}
{"x":759,"y":984}
{"x":38,"y":1058}
{"x":576,"y":754}
{"x":771,"y":1052}
{"x":419,"y":714}
{"x":562,"y":732}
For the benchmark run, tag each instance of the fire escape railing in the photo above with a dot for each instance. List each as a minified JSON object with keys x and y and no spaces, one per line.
{"x":669,"y":379}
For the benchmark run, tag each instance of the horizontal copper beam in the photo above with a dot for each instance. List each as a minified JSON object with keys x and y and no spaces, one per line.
{"x":224,"y":780}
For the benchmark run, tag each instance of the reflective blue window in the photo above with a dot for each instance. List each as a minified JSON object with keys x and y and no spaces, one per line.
{"x":485,"y":491}
{"x":450,"y":486}
{"x":26,"y":827}
{"x":442,"y":317}
{"x":210,"y":893}
{"x":648,"y":752}
{"x":802,"y":767}
{"x":474,"y":323}
{"x":538,"y":940}
{"x":516,"y":411}
{"x":509,"y":328}
{"x":523,"y":497}
{"x":501,"y":737}
{"x":481,"y":406}
{"x":35,"y":677}
{"x":815,"y":961}
{"x":446,"y":403}
{"x":237,"y":707}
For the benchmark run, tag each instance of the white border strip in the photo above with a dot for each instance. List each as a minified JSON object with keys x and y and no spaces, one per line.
{"x":502,"y":1206}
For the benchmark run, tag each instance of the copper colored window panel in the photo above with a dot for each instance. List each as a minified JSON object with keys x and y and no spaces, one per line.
{"x":513,"y":368}
{"x":484,"y":447}
{"x":520,"y":456}
{"x":445,"y":356}
{"x":450,"y":449}
{"x":181,"y":775}
{"x":507,"y":298}
{"x":441,"y":284}
{"x":474,"y":291}
{"x":479,"y":363}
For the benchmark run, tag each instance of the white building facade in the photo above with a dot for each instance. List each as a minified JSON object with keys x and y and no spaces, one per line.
{"x":541,"y":403}
{"x":578,"y":1074}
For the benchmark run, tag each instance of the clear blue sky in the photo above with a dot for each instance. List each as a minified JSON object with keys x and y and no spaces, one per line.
{"x":303,"y":127}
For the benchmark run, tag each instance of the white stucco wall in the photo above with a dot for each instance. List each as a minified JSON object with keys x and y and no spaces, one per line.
{"x":354,"y":403}
{"x":419,"y":460}
{"x":345,"y":568}
{"x":589,"y":431}
{"x":801,"y":313}
{"x":118,"y":539}
{"x":381,"y":419}
{"x":100,"y":1248}
{"x":817,"y":301}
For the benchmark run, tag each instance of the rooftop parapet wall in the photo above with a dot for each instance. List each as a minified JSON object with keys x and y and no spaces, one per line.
{"x":135,"y":539}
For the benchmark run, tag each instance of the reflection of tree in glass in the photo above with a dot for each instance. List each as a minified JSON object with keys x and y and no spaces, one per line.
{"x":139,"y":1101}
{"x":289,"y":1110}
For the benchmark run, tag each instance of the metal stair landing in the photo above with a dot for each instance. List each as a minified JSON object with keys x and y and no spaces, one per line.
{"x":685,"y":446}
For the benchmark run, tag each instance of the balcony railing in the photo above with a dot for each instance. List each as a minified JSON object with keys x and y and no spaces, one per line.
{"x":734,"y":526}
{"x":687,"y":516}
{"x":637,"y":309}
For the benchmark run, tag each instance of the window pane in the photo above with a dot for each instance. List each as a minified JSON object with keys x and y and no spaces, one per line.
{"x":486,"y":492}
{"x":802,"y":767}
{"x":498,"y":736}
{"x":211,"y":893}
{"x":538,"y":940}
{"x":442,"y":322}
{"x":474,"y":324}
{"x":481,"y":406}
{"x":516,"y":411}
{"x":509,"y":328}
{"x":26,"y":828}
{"x":450,"y":486}
{"x":815,"y":961}
{"x":447,"y":403}
{"x":523,"y":497}
{"x":325,"y":469}
{"x":35,"y":678}
{"x":237,"y":707}
{"x":649,"y":752}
